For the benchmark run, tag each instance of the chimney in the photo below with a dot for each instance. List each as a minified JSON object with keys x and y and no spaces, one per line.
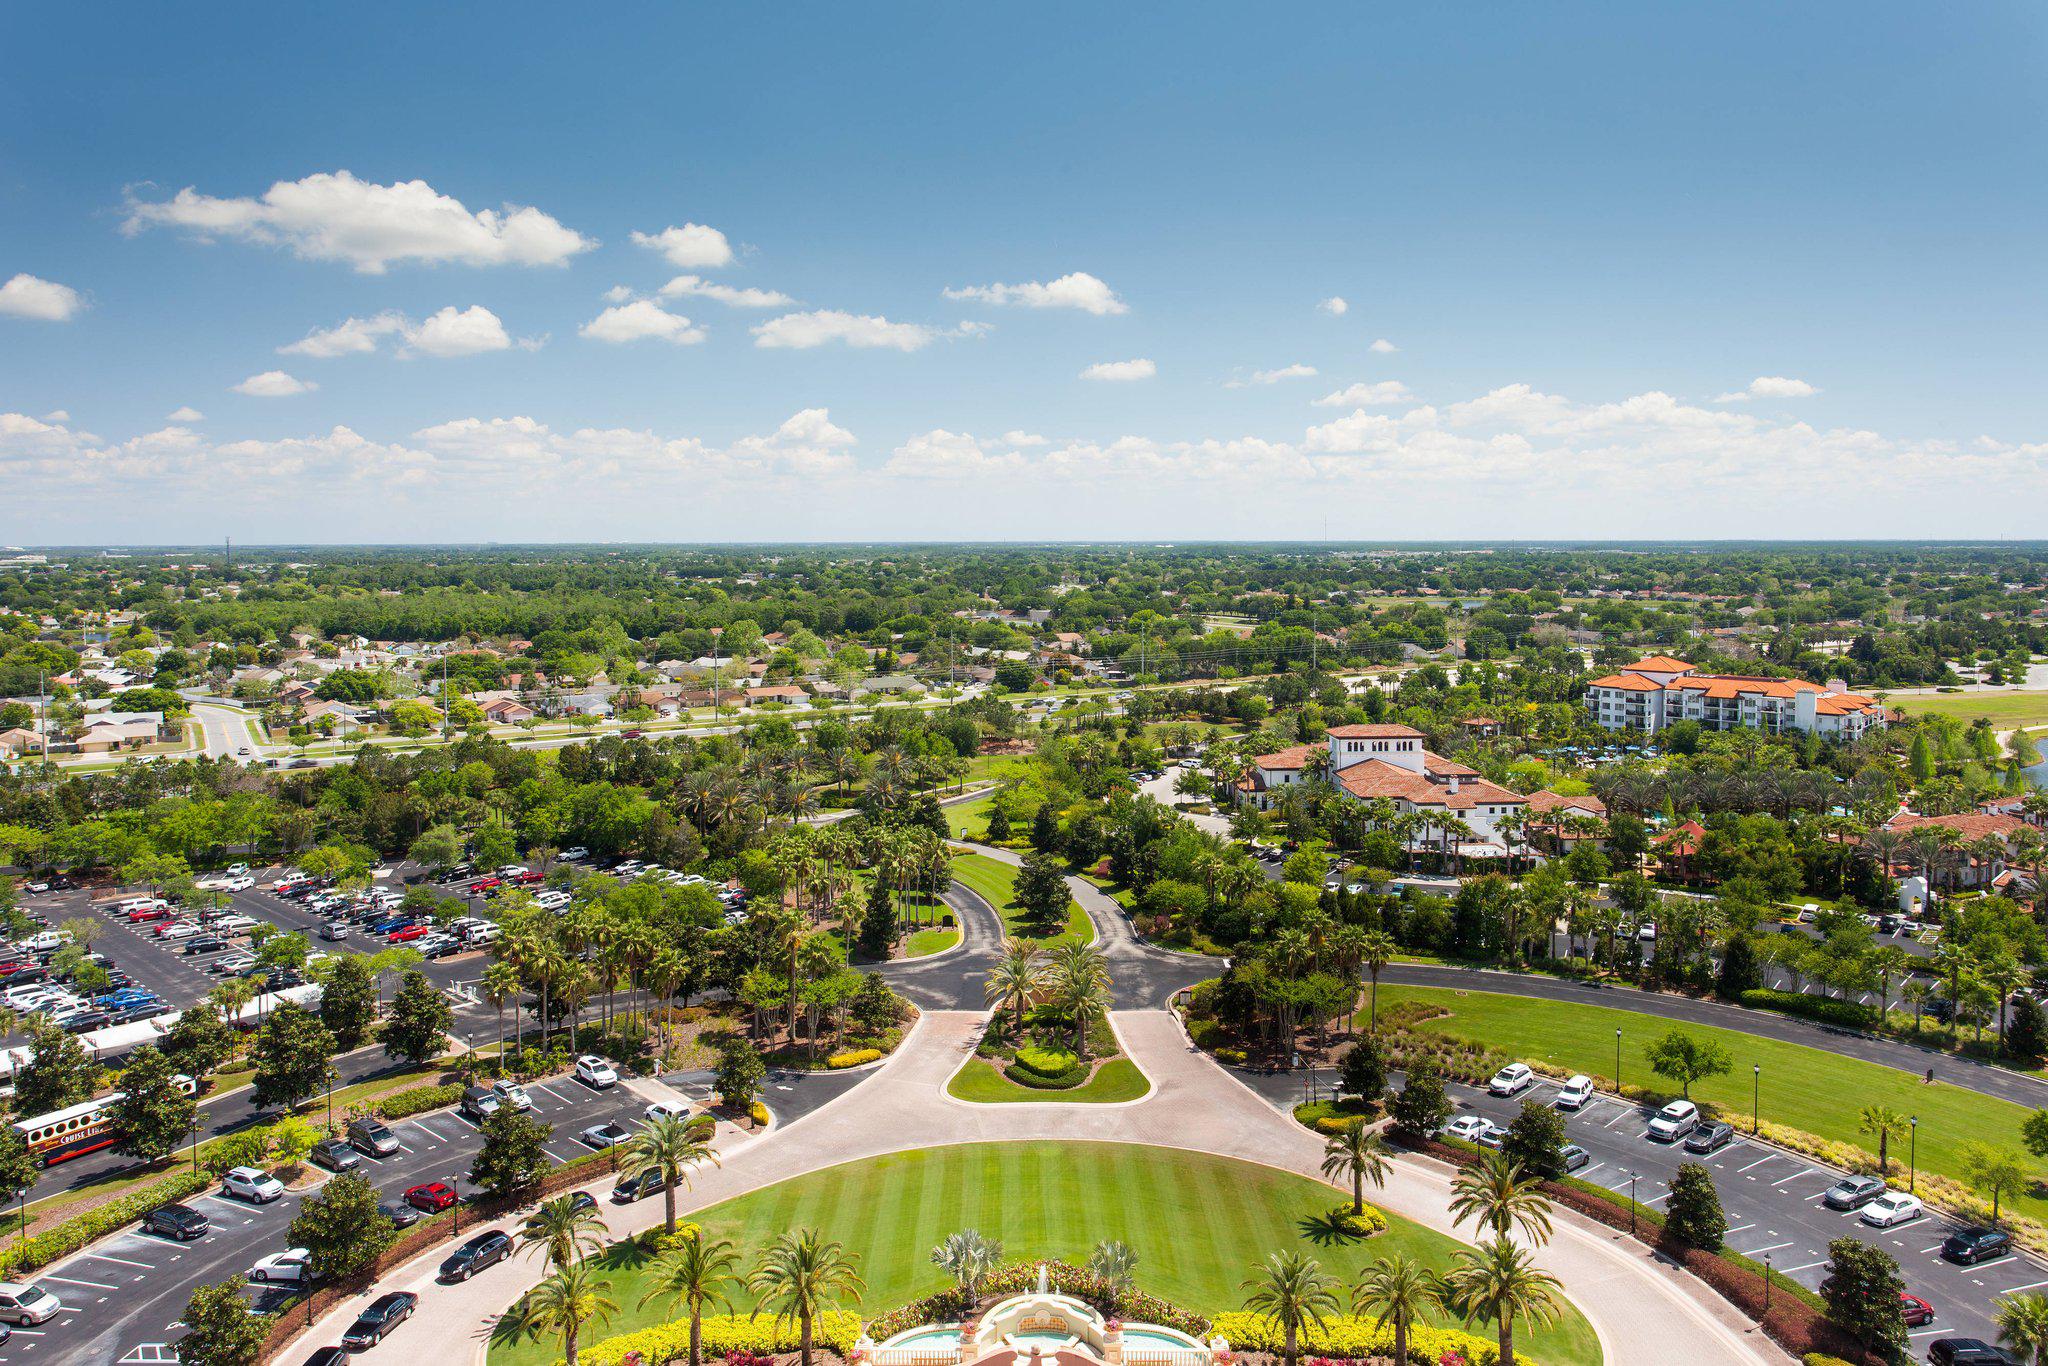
{"x":1454,"y":785}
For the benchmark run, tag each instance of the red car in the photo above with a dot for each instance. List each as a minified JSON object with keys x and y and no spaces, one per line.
{"x":408,"y":933}
{"x":137,"y":917}
{"x":528,"y":878}
{"x":1915,"y":1311}
{"x":9,"y":968}
{"x":431,"y":1198}
{"x":485,"y":884}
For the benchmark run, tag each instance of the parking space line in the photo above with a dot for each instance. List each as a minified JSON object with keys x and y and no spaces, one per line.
{"x":1796,"y":1175}
{"x":1758,"y":1163}
{"x":1808,"y":1267}
{"x":101,"y":1256}
{"x":73,"y":1280}
{"x":1768,"y":1247}
{"x":2036,"y":1285}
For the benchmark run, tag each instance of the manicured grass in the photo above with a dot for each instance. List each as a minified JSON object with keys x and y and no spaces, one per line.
{"x":996,"y":883}
{"x":1117,"y":1079}
{"x":923,"y":943}
{"x":969,"y":820}
{"x":1198,"y":1223}
{"x":1807,"y":1088}
{"x":2005,"y":710}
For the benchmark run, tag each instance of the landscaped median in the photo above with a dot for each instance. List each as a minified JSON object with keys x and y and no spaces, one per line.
{"x":1040,"y":1064}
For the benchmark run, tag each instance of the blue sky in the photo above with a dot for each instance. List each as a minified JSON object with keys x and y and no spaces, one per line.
{"x":1585,"y":231}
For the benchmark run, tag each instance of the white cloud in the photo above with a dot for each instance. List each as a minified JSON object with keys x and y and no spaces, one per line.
{"x":351,"y":337}
{"x":26,"y":296}
{"x":1513,"y":404}
{"x":1384,"y":392}
{"x":1078,"y":290}
{"x":803,"y":331}
{"x":1121,"y":371}
{"x":940,"y":454}
{"x":618,"y":294}
{"x":336,"y":217}
{"x":1383,"y":347}
{"x":638,"y":321}
{"x":1023,"y":439}
{"x":1770,"y":386}
{"x":1296,"y":371}
{"x":459,"y":332}
{"x":274,"y":384}
{"x":57,"y":415}
{"x":690,"y":247}
{"x":186,"y":414}
{"x":1335,"y":306}
{"x":726,"y":294}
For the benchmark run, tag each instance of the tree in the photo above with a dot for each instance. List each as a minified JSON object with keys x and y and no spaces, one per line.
{"x":561,"y":1305}
{"x":1685,"y":1059}
{"x":1693,"y":1214}
{"x":342,"y":1227}
{"x":998,"y":824}
{"x":878,"y":922}
{"x":670,"y":1145}
{"x":968,"y":1258}
{"x":220,"y":1330}
{"x":1116,"y":1264}
{"x":1364,"y":1072}
{"x":1535,"y":1139}
{"x":512,"y":1160}
{"x":1499,"y":1281}
{"x":1289,"y":1289}
{"x":2026,"y":1031}
{"x":2023,"y":1326}
{"x":2034,"y":1132}
{"x":1376,"y":951}
{"x":1887,"y":1124}
{"x":1421,"y":1108}
{"x":692,"y":1275}
{"x":419,"y":1020}
{"x":1041,"y":891}
{"x":1740,"y":970}
{"x":1015,"y":979}
{"x":1397,"y":1290}
{"x":1862,"y":1292}
{"x":1993,"y":1173}
{"x":18,"y":1170}
{"x":154,"y":1115}
{"x":1356,"y":1154}
{"x":1497,"y":1195}
{"x":802,"y":1275}
{"x":738,"y":1075}
{"x":348,"y":1001}
{"x":200,"y":1041}
{"x":439,"y":846}
{"x":59,"y":1074}
{"x":291,"y":1054}
{"x":563,"y":1231}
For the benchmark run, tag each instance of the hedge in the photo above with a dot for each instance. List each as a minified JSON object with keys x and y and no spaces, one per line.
{"x":852,"y":1058}
{"x":1368,"y":1221}
{"x":1357,"y":1338}
{"x":760,"y":1335}
{"x":1046,"y":1062}
{"x":1039,"y":1081}
{"x":415,"y":1100}
{"x":68,"y":1237}
{"x":1823,"y":1009}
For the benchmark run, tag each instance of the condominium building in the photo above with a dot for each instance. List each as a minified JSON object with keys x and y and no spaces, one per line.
{"x":1652,"y":693}
{"x":1388,"y":763}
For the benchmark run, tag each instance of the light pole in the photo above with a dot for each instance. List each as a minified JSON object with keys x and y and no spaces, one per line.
{"x":1767,"y":1285}
{"x":330,"y":1101}
{"x":1631,"y":1203}
{"x":1756,"y":1091}
{"x":1913,"y":1154}
{"x":1617,"y":1061}
{"x":195,"y":1145}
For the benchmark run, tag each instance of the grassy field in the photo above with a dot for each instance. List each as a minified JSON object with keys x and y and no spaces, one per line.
{"x":2005,"y":710}
{"x":924,"y":943}
{"x":969,"y":820}
{"x":1819,"y":1092}
{"x":1117,"y":1079}
{"x":996,"y":883}
{"x":1197,"y":1223}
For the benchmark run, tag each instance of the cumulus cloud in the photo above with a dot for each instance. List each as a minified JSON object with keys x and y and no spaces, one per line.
{"x":186,"y":414}
{"x":336,"y":217}
{"x":689,"y":247}
{"x":57,"y":415}
{"x":1023,"y":439}
{"x":821,"y":327}
{"x":725,"y":294}
{"x":1383,"y":347}
{"x":26,"y":296}
{"x":1335,"y":306}
{"x":1077,"y":290}
{"x":1296,"y":371}
{"x":1367,"y":395}
{"x":1121,"y":371}
{"x":274,"y":384}
{"x":1770,"y":386}
{"x":451,"y":332}
{"x":940,"y":454}
{"x":639,"y":321}
{"x":351,"y":337}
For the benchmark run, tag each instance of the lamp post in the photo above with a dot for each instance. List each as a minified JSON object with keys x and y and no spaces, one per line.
{"x":330,"y":1101}
{"x":455,"y":1184}
{"x":1617,"y":1062}
{"x":1631,"y":1203}
{"x":1913,"y":1154}
{"x":1767,"y":1285}
{"x":1756,"y":1091}
{"x":195,"y":1144}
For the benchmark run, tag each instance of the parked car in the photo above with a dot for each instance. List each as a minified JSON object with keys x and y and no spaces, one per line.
{"x":385,"y":1313}
{"x":513,"y":1094}
{"x":1893,"y":1207}
{"x":1914,"y":1310}
{"x":479,"y":1102}
{"x":26,"y":1302}
{"x":1976,"y":1244}
{"x":1511,"y":1080}
{"x":637,"y":1187}
{"x":1852,"y":1192}
{"x":667,"y":1109}
{"x":605,"y":1135}
{"x":289,"y":1266}
{"x":334,"y":929}
{"x":399,"y":1213}
{"x":253,"y":1184}
{"x":336,"y":1155}
{"x":176,"y":1221}
{"x":328,"y":1356}
{"x":595,"y":1071}
{"x":430,"y":1198}
{"x":1576,"y":1091}
{"x":1574,"y":1157}
{"x":1710,"y":1137}
{"x":372,"y":1136}
{"x":1674,"y":1121}
{"x":1966,"y":1352}
{"x":484,"y":1250}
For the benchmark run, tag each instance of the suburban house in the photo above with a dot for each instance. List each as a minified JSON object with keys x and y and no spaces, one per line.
{"x":1388,"y":763}
{"x":339,"y":718}
{"x":785,"y":693}
{"x":1557,"y":823}
{"x":506,"y":711}
{"x":1655,"y":692}
{"x":108,"y":731}
{"x":19,"y":741}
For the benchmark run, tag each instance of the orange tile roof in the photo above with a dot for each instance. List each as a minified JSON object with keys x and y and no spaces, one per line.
{"x":1382,"y":731}
{"x":1659,"y":664}
{"x":1971,"y":825}
{"x":1294,"y":756}
{"x":1547,"y":801}
{"x":1376,"y":778}
{"x":1627,"y":683}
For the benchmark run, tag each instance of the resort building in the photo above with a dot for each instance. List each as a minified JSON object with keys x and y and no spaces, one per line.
{"x":1388,"y":763}
{"x":1652,"y":693}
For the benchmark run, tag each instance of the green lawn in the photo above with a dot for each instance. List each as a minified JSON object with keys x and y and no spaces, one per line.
{"x":1819,"y":1092}
{"x":969,"y":820}
{"x":2005,"y":710}
{"x":923,"y":943}
{"x":979,"y":1081}
{"x":1198,"y":1224}
{"x":996,"y":883}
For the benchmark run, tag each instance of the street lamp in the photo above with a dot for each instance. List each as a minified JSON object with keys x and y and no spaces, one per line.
{"x":1913,"y":1154}
{"x":1756,"y":1090}
{"x":1767,"y":1285}
{"x":195,"y":1145}
{"x":330,"y":1101}
{"x":1631,"y":1203}
{"x":1617,"y":1061}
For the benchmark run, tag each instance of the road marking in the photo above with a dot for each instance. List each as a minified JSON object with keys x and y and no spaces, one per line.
{"x":1923,"y":1332}
{"x":1758,"y":1163}
{"x":1769,"y":1247}
{"x":1610,"y":1123}
{"x":101,"y":1256}
{"x":1796,"y":1175}
{"x":1585,"y":1172}
{"x":1935,"y":1248}
{"x":1739,"y":1228}
{"x":1655,"y":1198}
{"x":1808,"y":1267}
{"x":73,"y":1280}
{"x":2014,"y":1291}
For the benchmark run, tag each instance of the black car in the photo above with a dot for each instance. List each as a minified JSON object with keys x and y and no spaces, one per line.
{"x":1966,"y":1352}
{"x":87,"y":1021}
{"x":486,"y":1249}
{"x":399,"y":1213}
{"x":582,"y":1200}
{"x":204,"y":943}
{"x":176,"y":1221}
{"x":328,"y":1356}
{"x":1710,"y":1138}
{"x":637,"y":1187}
{"x":1972,"y":1245}
{"x":385,"y":1313}
{"x":372,"y":1137}
{"x":336,"y":1155}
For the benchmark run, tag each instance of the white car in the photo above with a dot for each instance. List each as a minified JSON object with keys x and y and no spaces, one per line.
{"x":241,"y":882}
{"x":667,"y":1109}
{"x":253,"y":1184}
{"x":288,"y":1266}
{"x":182,"y":929}
{"x":238,"y":870}
{"x":1471,"y":1128}
{"x":21,"y":1302}
{"x":513,"y":1094}
{"x":234,"y":924}
{"x":595,"y":1071}
{"x":1576,"y":1091}
{"x":1674,"y":1121}
{"x":1893,"y":1207}
{"x":573,"y":855}
{"x":1512,"y":1079}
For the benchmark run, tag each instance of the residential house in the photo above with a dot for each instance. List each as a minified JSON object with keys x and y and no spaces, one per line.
{"x":786,"y":693}
{"x":108,"y":731}
{"x":335,"y":718}
{"x":1388,"y":763}
{"x":506,"y":711}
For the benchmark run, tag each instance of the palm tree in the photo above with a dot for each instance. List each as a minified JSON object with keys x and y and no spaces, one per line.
{"x":695,"y":1273}
{"x":1496,"y":1194}
{"x":1499,"y":1281}
{"x":1290,"y":1289}
{"x":562,"y":1304}
{"x":1397,"y":1290}
{"x":562,"y":1231}
{"x":968,"y":1258}
{"x":2023,"y":1326}
{"x":1116,"y":1264}
{"x":1377,"y":950}
{"x":1886,"y":1123}
{"x":802,"y":1275}
{"x":670,"y":1145}
{"x":1080,"y":976}
{"x":500,"y":984}
{"x":1019,"y":973}
{"x":1356,"y":1153}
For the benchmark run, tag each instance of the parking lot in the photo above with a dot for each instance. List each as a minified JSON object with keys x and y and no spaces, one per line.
{"x":1772,"y":1200}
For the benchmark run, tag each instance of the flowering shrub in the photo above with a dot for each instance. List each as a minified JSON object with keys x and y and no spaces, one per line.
{"x":741,"y":1341}
{"x":1351,"y":1337}
{"x":852,"y":1058}
{"x":416,"y":1100}
{"x":1368,"y":1221}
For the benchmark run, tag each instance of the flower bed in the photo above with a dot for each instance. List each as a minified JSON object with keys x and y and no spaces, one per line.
{"x":853,"y":1058}
{"x":1357,"y":1338}
{"x":756,"y":1334}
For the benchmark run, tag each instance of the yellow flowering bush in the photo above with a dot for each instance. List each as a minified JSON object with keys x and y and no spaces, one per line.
{"x":853,"y":1057}
{"x":1356,"y":1338}
{"x":758,"y":1334}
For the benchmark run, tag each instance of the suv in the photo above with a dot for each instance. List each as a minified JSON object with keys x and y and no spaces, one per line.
{"x":176,"y":1221}
{"x":1674,"y":1121}
{"x":1966,"y":1352}
{"x":336,"y":1155}
{"x":592,"y":1070}
{"x":479,"y":1102}
{"x":512,"y":1093}
{"x":486,"y":1249}
{"x":1972,"y":1245}
{"x":253,"y":1184}
{"x":372,"y":1136}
